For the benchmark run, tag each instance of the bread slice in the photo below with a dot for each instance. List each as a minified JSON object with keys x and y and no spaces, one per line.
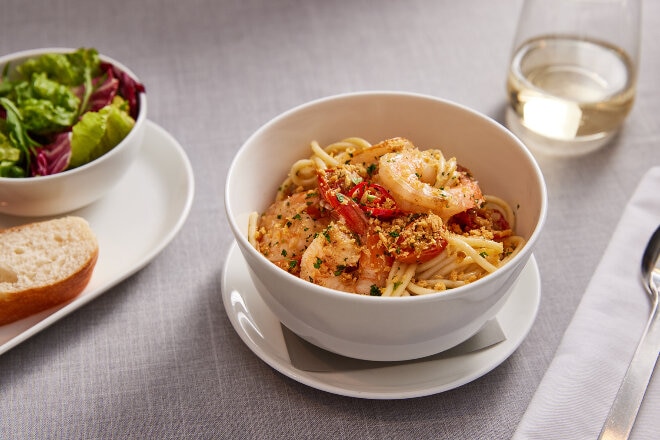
{"x":43,"y":264}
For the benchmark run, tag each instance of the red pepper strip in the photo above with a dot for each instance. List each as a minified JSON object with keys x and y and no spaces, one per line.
{"x":376,"y":197}
{"x":343,"y":205}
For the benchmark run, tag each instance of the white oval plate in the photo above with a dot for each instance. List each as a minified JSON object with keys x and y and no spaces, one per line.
{"x":133,"y":224}
{"x":260,"y":330}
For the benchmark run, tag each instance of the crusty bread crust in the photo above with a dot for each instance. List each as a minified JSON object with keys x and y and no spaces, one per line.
{"x":20,"y":302}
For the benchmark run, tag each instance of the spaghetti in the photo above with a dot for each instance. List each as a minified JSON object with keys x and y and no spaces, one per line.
{"x":384,"y":220}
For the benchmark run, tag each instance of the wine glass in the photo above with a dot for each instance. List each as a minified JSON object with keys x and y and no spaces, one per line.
{"x":572,"y":73}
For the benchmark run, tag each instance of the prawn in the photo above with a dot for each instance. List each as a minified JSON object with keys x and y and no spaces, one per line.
{"x":369,"y":157}
{"x":338,"y":259}
{"x":288,"y":226}
{"x":424,"y":181}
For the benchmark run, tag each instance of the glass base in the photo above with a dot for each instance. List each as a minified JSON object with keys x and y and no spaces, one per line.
{"x":555,"y":147}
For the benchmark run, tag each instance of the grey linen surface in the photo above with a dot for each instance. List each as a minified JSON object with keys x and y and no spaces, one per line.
{"x":156,"y":356}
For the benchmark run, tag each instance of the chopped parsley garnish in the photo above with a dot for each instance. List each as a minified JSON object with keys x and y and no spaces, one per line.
{"x":340,"y":270}
{"x":318,"y":263}
{"x":284,"y":252}
{"x":374,"y":290}
{"x":326,"y":234}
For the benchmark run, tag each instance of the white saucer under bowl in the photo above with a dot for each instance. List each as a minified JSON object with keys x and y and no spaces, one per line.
{"x":261,"y":332}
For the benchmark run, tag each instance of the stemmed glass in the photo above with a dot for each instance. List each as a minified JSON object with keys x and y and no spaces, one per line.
{"x":572,"y":73}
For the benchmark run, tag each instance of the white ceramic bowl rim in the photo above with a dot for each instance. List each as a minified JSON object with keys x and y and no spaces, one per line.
{"x":140,"y":117}
{"x":448,"y":294}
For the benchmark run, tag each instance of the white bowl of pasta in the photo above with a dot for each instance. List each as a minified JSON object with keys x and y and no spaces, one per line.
{"x":384,"y":225}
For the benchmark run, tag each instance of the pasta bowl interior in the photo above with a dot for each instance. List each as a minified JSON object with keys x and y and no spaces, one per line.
{"x":69,"y":160}
{"x":373,"y":325}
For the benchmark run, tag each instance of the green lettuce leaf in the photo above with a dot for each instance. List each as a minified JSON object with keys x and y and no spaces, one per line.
{"x":60,"y":95}
{"x":10,"y":169}
{"x":9,"y":157}
{"x":65,"y":68}
{"x":7,"y":151}
{"x":98,"y":132}
{"x":46,"y":106}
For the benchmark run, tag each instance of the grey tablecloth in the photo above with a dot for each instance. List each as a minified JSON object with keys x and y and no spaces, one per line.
{"x":156,"y":356}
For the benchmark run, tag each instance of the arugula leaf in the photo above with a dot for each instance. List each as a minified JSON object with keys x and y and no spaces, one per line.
{"x":17,"y":133}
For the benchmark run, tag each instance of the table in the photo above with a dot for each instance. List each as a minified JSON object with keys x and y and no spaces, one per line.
{"x":156,"y":356}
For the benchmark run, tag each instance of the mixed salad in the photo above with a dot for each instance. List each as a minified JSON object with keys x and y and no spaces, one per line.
{"x":62,"y":110}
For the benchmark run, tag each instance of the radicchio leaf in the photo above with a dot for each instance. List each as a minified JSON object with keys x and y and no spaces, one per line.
{"x":54,"y":157}
{"x":129,"y":89}
{"x":103,"y":92}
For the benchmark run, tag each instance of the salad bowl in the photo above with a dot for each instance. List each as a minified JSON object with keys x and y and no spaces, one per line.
{"x":57,"y":187}
{"x":383,"y":328}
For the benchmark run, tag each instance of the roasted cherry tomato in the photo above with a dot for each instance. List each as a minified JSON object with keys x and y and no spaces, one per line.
{"x":475,"y":218}
{"x":421,"y":240}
